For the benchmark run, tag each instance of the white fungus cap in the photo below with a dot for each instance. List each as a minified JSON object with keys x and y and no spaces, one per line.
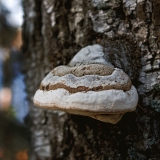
{"x":91,"y":89}
{"x":90,"y":55}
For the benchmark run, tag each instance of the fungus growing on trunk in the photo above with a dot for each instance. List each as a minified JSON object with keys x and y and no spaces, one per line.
{"x":88,"y":86}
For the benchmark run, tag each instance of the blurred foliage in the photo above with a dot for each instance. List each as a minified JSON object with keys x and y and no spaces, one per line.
{"x":14,"y":137}
{"x":7,"y":32}
{"x":11,"y":66}
{"x":22,"y":155}
{"x":10,"y":112}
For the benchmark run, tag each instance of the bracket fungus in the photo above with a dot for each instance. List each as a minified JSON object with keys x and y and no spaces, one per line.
{"x":88,"y":86}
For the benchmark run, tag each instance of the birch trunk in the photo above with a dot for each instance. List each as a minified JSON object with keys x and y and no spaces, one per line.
{"x":129,"y":30}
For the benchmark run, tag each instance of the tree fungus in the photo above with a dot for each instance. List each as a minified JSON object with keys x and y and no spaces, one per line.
{"x":88,"y":86}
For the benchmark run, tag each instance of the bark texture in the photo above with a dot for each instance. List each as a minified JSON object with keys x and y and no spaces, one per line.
{"x":129,"y":31}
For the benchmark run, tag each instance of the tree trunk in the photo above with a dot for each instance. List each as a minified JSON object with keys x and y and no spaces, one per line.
{"x":53,"y":32}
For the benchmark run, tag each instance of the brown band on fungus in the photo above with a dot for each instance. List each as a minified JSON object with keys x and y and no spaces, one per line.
{"x":124,"y":87}
{"x":92,"y":69}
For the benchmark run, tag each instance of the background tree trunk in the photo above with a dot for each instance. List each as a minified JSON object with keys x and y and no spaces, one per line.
{"x":55,"y":30}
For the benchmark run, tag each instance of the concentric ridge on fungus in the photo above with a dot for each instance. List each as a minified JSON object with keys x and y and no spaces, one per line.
{"x":78,"y":71}
{"x":89,"y":86}
{"x":97,"y":72}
